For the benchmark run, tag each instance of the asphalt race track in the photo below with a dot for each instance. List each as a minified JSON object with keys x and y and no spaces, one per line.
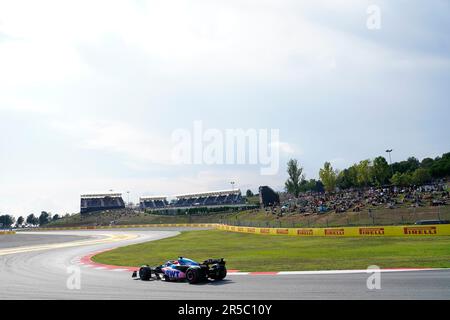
{"x":36,"y":267}
{"x":27,"y":239}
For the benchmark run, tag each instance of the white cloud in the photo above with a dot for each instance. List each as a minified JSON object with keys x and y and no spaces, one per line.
{"x":285,"y":147}
{"x":120,"y":138}
{"x":185,"y":38}
{"x":63,"y":195}
{"x":133,"y":67}
{"x":32,"y":63}
{"x":25,"y":105}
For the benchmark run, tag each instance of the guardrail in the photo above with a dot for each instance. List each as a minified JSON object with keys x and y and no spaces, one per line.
{"x":429,"y":230}
{"x":134,"y":226}
{"x":410,"y":230}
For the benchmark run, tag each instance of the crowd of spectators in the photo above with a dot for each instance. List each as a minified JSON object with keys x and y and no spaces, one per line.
{"x":355,"y":200}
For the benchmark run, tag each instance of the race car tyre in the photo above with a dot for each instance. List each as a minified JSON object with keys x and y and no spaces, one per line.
{"x":222,"y":273}
{"x":193,"y":276}
{"x":218,"y":273}
{"x":145,"y":273}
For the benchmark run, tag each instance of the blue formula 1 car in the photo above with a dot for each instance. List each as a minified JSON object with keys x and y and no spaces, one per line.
{"x":185,"y":269}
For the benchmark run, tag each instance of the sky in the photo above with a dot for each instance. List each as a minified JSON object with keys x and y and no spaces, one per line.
{"x":91,"y":92}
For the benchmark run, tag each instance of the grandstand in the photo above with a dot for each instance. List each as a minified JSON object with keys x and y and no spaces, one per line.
{"x":209,"y":199}
{"x":153,"y":203}
{"x":222,"y":198}
{"x":98,"y":202}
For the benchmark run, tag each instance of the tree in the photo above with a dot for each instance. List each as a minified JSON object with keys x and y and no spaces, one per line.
{"x":396,"y":179}
{"x":328,"y":176}
{"x":44,"y":218}
{"x":421,"y":176}
{"x":249,"y":193}
{"x":413,"y":164}
{"x":7,"y":220}
{"x":402,"y":179}
{"x":20,"y":221}
{"x":426,"y":163}
{"x":347,"y":178}
{"x":311,"y":185}
{"x":410,"y":165}
{"x":29,"y":219}
{"x":364,"y":173}
{"x":56,"y":217}
{"x":380,"y":171}
{"x":32,"y":220}
{"x":441,"y":166}
{"x":295,"y":179}
{"x":318,"y":187}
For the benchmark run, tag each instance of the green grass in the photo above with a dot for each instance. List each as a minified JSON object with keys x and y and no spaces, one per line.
{"x":247,"y":252}
{"x":257,"y":217}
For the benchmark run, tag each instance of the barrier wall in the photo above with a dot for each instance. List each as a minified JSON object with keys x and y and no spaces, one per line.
{"x":375,"y":231}
{"x":7,"y":232}
{"x":134,"y":226}
{"x":378,"y":231}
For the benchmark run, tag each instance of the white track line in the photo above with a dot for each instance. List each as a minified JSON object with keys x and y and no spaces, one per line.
{"x":324,"y":272}
{"x":350,"y":271}
{"x":109,"y":238}
{"x":287,"y":273}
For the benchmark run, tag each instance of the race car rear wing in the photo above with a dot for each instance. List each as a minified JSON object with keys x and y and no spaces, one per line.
{"x":214,"y":261}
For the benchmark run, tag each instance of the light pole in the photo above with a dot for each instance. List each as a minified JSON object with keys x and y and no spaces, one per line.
{"x":390,"y":159}
{"x":128,"y":194}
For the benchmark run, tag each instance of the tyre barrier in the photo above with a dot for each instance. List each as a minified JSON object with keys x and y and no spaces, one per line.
{"x":373,"y":231}
{"x":7,"y":232}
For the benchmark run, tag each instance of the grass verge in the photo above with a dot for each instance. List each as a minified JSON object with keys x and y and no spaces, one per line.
{"x":247,"y":252}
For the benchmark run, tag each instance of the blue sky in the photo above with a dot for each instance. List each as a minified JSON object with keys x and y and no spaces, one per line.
{"x":91,"y":91}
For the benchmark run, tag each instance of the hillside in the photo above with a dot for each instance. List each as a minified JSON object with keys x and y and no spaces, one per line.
{"x":258,"y":217}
